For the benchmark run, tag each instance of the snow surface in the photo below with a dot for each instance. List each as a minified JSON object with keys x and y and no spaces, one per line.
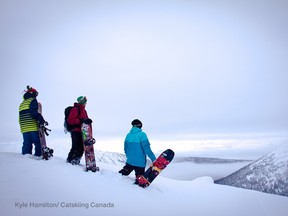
{"x":31,"y":187}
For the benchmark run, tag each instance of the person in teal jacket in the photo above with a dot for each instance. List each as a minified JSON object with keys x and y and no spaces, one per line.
{"x":136,"y":147}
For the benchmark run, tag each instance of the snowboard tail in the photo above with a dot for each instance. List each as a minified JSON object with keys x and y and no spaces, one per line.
{"x":156,"y":168}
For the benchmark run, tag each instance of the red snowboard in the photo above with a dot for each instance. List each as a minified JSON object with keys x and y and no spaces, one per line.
{"x":88,"y":141}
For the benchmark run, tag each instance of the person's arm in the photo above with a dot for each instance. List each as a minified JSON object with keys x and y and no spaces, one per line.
{"x":147,"y":149}
{"x":34,"y":112}
{"x":125,"y":145}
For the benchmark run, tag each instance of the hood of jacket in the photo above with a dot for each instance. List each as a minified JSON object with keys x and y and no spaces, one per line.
{"x":81,"y":106}
{"x":28,"y":95}
{"x":135,"y":130}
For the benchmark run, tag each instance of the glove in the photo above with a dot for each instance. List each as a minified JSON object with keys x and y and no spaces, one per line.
{"x":86,"y":121}
{"x":42,"y":124}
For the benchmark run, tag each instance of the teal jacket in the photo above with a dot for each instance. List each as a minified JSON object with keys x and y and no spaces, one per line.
{"x":136,"y":147}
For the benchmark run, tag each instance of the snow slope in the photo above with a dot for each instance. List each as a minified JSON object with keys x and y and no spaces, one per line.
{"x":30,"y":187}
{"x":268,"y":174}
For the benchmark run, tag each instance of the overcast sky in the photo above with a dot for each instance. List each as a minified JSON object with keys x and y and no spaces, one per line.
{"x":179,"y":66}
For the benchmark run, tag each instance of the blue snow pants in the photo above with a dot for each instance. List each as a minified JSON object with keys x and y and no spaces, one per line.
{"x":29,"y":139}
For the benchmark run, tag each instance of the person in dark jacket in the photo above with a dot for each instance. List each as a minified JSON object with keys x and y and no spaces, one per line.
{"x":77,"y":116}
{"x":30,"y":120}
{"x":136,"y":147}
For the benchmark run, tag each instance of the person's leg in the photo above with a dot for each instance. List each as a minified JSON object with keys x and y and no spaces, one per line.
{"x":72,"y":152}
{"x":79,"y":147}
{"x":27,"y":143}
{"x":37,"y":144}
{"x":138,"y":172}
{"x":126,"y":170}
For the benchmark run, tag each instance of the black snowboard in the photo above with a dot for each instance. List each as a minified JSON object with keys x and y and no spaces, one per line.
{"x":153,"y":171}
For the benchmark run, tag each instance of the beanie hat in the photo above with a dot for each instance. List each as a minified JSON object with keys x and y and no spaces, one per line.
{"x":31,"y":91}
{"x":82,"y":99}
{"x":136,"y":123}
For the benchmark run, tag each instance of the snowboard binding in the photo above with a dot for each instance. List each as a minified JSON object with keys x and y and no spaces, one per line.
{"x":47,"y":153}
{"x":93,"y":169}
{"x":89,"y":142}
{"x":142,"y":182}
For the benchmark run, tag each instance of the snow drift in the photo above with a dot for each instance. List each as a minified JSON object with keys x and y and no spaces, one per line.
{"x":30,"y":187}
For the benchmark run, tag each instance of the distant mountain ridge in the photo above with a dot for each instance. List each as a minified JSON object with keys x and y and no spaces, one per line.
{"x":269,"y":174}
{"x":208,"y":160}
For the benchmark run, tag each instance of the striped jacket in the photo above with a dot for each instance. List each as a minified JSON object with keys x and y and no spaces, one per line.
{"x":28,"y":114}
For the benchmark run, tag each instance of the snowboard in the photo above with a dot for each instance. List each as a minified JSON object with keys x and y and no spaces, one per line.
{"x":154,"y":170}
{"x":88,"y":142}
{"x":46,"y":152}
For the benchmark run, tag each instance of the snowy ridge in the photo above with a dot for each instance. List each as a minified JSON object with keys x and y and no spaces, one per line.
{"x":268,"y":174}
{"x":110,"y":157}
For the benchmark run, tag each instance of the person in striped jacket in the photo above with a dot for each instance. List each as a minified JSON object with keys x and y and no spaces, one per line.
{"x":30,"y":120}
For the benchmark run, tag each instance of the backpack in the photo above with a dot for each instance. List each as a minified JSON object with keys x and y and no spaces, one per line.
{"x":68,"y":127}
